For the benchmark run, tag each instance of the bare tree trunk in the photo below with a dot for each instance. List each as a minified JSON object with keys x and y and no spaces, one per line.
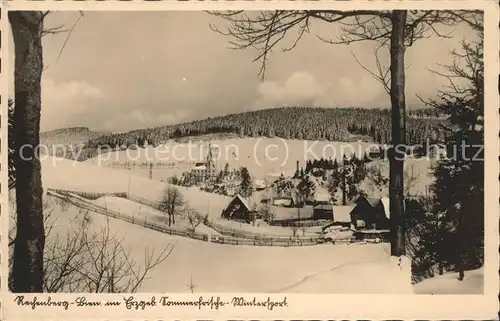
{"x":396,"y":160}
{"x":440,"y":268}
{"x":27,"y":269}
{"x":461,"y":248}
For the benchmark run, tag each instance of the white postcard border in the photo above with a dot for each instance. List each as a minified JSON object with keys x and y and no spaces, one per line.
{"x":353,"y":306}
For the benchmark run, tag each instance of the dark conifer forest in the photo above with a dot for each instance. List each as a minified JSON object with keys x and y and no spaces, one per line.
{"x":333,"y":124}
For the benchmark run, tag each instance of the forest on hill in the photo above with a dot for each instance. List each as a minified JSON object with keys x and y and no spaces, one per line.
{"x":71,"y":135}
{"x":333,"y":124}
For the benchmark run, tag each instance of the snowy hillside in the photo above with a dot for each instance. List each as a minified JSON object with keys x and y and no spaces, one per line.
{"x":227,"y":268}
{"x":448,"y":283}
{"x":264,"y":157}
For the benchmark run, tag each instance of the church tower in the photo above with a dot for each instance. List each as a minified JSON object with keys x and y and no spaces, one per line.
{"x":210,"y":162}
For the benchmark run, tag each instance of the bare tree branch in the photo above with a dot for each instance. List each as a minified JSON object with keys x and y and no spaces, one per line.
{"x":69,"y":35}
{"x":382,"y":75}
{"x":264,"y":30}
{"x":85,"y":259}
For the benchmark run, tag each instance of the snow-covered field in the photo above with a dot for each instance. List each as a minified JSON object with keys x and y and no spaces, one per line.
{"x":58,"y":173}
{"x":264,"y":157}
{"x":224,"y":268}
{"x":85,"y":177}
{"x":227,"y":268}
{"x":448,"y":283}
{"x":146,"y":213}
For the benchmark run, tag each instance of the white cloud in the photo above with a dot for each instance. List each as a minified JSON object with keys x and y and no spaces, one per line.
{"x":176,"y":116}
{"x":63,"y":102}
{"x":67,"y":91}
{"x":123,"y":121}
{"x":300,"y":87}
{"x":334,"y":91}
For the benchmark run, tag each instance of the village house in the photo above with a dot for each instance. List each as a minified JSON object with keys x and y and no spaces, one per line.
{"x":322,"y":196}
{"x":323,"y":212}
{"x":370,"y":213}
{"x":282,"y":214}
{"x":341,"y":216}
{"x":238,"y":210}
{"x":260,"y":185}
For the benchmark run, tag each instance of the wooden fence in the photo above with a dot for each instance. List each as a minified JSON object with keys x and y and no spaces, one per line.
{"x":238,"y":233}
{"x":146,"y":165}
{"x":78,"y":199}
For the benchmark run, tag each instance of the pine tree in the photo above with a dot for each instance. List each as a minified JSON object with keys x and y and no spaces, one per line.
{"x":306,"y":188}
{"x":220,"y":177}
{"x":459,"y":185}
{"x":246,"y":186}
{"x":333,"y":185}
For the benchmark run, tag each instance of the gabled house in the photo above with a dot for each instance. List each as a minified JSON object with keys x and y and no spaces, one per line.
{"x":238,"y":210}
{"x":285,"y":201}
{"x":370,"y":213}
{"x":341,"y":216}
{"x":374,"y":213}
{"x":323,"y":212}
{"x":322,"y":196}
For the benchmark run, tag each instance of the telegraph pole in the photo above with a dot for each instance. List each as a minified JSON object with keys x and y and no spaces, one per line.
{"x":298,"y":208}
{"x":344,"y":201}
{"x":128,"y":188}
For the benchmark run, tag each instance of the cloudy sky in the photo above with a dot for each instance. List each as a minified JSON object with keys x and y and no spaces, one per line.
{"x":127,"y":70}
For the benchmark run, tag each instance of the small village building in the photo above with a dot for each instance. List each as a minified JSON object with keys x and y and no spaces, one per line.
{"x":265,"y":201}
{"x":284,"y":201}
{"x":260,"y":185}
{"x":370,"y":213}
{"x":413,"y":209}
{"x":322,"y":197}
{"x":341,"y":216}
{"x":238,"y":210}
{"x":282,"y":214}
{"x":323,"y":212}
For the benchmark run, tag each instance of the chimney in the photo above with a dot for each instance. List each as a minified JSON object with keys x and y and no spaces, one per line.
{"x":298,"y":166}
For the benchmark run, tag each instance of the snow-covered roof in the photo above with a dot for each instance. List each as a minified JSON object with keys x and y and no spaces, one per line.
{"x":371,"y":200}
{"x":322,"y":195}
{"x":260,"y":183}
{"x":243,"y":201}
{"x":287,"y":213}
{"x":342,"y":213}
{"x":283,"y":201}
{"x":200,"y":167}
{"x":385,"y":202}
{"x":327,"y":207}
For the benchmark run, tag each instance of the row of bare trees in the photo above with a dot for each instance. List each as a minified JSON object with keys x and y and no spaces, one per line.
{"x":85,"y":256}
